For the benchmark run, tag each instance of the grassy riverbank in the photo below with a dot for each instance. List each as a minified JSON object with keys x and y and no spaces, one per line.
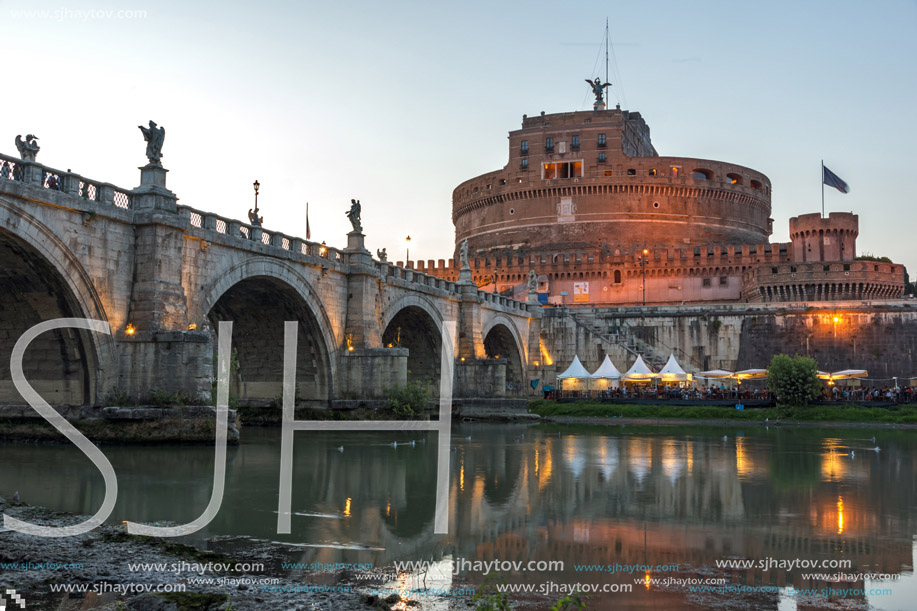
{"x":904,"y":414}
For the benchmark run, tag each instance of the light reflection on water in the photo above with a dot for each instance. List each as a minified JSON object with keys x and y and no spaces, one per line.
{"x":585,"y":495}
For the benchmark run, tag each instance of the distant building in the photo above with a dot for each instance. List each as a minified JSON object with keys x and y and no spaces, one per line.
{"x":588,"y":203}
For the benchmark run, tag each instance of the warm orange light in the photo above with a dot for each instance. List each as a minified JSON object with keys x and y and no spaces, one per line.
{"x":463,"y":359}
{"x":836,"y":319}
{"x":536,"y":363}
{"x":646,"y":252}
{"x":130,"y":329}
{"x":646,"y":581}
{"x":192,"y":327}
{"x":347,"y":507}
{"x":840,"y":515}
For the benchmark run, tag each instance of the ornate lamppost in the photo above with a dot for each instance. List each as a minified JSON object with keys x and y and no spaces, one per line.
{"x":253,"y":217}
{"x":407,"y":257}
{"x":642,"y":259}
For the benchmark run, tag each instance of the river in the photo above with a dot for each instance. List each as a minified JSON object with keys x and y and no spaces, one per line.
{"x":666,"y":504}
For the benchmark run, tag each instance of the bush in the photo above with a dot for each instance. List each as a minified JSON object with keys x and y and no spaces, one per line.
{"x":793,"y":380}
{"x":409,"y":401}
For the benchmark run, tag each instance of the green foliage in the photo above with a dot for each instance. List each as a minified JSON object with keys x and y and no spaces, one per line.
{"x":593,"y":409}
{"x":793,"y":380}
{"x":869,"y":257}
{"x":408,"y":401}
{"x":118,"y":397}
{"x":163,"y":398}
{"x":489,"y":598}
{"x":568,"y":602}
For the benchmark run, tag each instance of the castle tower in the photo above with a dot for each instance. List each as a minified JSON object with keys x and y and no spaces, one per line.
{"x":816,"y":238}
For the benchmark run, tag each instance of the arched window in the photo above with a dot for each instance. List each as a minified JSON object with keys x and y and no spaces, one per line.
{"x":701,"y":174}
{"x":617,"y":276}
{"x":734,"y":179}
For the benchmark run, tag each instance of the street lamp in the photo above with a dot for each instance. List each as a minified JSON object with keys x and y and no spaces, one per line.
{"x":495,"y":281}
{"x":253,"y":217}
{"x":407,"y":257}
{"x":642,"y":260}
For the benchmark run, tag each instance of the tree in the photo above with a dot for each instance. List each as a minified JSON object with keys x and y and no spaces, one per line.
{"x":793,"y":380}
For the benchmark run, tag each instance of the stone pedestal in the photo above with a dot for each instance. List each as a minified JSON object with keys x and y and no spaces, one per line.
{"x":465,"y":276}
{"x":355,"y":242}
{"x":366,"y":373}
{"x":152,"y":193}
{"x":533,"y":297}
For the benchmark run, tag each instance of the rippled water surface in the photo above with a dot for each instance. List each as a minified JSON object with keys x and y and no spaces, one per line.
{"x":583,"y":495}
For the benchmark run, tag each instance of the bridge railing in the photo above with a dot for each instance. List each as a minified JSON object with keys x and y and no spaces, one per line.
{"x":30,"y":172}
{"x":235,"y":229}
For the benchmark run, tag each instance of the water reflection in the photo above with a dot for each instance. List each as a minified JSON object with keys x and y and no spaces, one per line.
{"x":585,"y":495}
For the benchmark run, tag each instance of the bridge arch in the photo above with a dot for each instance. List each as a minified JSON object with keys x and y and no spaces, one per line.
{"x":42,"y":280}
{"x":259,"y":295}
{"x":413,"y":322}
{"x":502,"y":338}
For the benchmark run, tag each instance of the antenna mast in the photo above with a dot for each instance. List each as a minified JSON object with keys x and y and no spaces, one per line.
{"x":606,"y":49}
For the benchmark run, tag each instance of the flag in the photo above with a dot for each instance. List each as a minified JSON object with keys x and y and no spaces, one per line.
{"x":833,"y":180}
{"x":308,"y":231}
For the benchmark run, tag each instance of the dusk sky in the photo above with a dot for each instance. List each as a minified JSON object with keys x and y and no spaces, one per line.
{"x":397,"y":103}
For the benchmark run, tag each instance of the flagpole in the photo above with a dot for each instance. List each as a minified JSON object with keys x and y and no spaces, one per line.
{"x":823,"y":188}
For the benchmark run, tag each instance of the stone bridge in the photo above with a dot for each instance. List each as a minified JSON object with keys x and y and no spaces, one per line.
{"x":162,"y":275}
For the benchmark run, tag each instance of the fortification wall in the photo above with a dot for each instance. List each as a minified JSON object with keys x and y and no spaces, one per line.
{"x":881,"y":338}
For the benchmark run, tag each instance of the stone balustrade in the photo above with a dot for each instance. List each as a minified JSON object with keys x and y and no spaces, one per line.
{"x":76,"y":186}
{"x":36,"y":174}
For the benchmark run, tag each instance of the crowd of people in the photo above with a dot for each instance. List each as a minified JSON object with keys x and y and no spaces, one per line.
{"x":722,"y":392}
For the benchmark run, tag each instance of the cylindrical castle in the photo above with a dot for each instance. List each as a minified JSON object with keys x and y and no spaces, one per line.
{"x":592,"y":179}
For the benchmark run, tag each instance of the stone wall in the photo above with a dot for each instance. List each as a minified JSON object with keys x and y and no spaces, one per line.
{"x":880,"y":338}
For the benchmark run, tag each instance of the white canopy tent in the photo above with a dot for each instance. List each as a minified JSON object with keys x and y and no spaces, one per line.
{"x":844,"y":374}
{"x":606,"y":370}
{"x":606,"y":373}
{"x":638,"y":372}
{"x":716,"y":373}
{"x":575,"y":372}
{"x":672,"y":372}
{"x":751,"y":374}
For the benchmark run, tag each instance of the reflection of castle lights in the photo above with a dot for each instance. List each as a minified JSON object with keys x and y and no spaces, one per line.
{"x":347,"y":507}
{"x":840,"y":515}
{"x":388,"y":509}
{"x":834,"y":462}
{"x":546,"y":466}
{"x":646,"y":580}
{"x":744,"y":465}
{"x":462,"y":476}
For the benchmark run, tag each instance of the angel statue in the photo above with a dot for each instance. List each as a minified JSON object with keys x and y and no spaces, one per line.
{"x":28,"y":148}
{"x":154,"y":137}
{"x":383,"y":256}
{"x":598,"y":88}
{"x":463,"y":255}
{"x":354,"y":215}
{"x":533,"y":281}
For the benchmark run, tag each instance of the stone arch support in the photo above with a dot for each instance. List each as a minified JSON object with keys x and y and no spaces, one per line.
{"x":83,"y":300}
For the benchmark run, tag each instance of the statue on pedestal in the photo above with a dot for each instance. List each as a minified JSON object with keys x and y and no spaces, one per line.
{"x":533,"y":281}
{"x":463,"y":255}
{"x":254,"y":219}
{"x":383,"y":256}
{"x":353,"y":215}
{"x":154,"y":137}
{"x":28,"y":148}
{"x":598,"y":88}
